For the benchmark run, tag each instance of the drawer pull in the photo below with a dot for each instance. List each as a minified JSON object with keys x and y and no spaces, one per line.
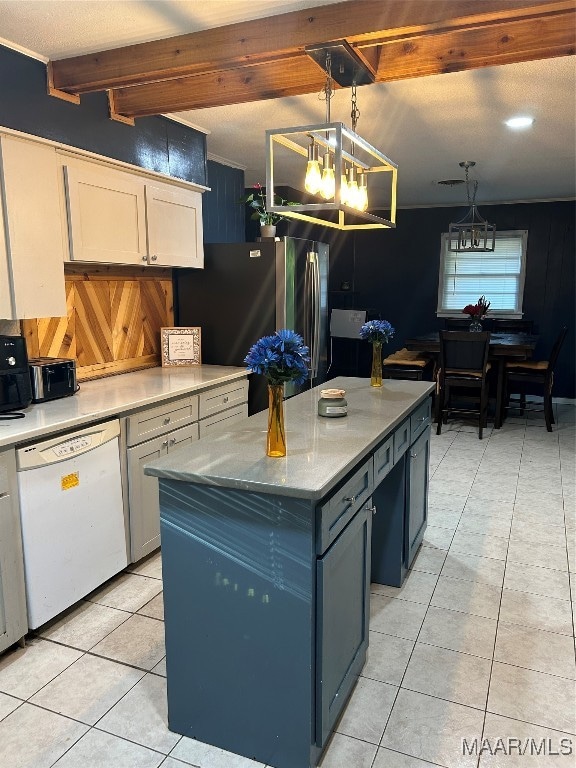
{"x":225,"y":399}
{"x":172,"y":441}
{"x":167,"y":420}
{"x":154,"y":258}
{"x":371,"y":509}
{"x":164,"y":443}
{"x":351,"y":499}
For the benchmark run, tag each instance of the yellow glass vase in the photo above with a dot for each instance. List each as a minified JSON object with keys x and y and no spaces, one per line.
{"x":276,"y":436}
{"x":376,"y":376}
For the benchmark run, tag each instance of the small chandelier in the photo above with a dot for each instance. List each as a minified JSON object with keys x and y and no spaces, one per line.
{"x":473,"y":232}
{"x":340,"y":179}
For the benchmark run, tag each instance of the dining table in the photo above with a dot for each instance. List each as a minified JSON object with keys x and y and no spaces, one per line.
{"x":504,"y":347}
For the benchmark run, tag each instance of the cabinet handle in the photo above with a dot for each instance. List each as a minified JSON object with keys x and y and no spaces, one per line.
{"x":144,"y":258}
{"x":371,"y":509}
{"x":413,"y":455}
{"x":154,"y":258}
{"x":172,"y":441}
{"x":165,"y":444}
{"x":351,"y":499}
{"x":167,"y":420}
{"x":225,"y":399}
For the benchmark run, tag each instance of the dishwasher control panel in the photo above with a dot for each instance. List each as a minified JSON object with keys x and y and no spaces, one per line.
{"x":66,"y":446}
{"x":70,"y":447}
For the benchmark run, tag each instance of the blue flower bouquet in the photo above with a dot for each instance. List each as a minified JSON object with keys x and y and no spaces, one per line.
{"x":281,"y":357}
{"x":378,"y":332}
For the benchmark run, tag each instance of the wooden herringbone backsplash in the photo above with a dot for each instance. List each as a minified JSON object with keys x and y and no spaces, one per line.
{"x":113,"y":321}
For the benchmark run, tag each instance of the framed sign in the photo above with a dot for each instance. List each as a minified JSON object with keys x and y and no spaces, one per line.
{"x":180,"y":346}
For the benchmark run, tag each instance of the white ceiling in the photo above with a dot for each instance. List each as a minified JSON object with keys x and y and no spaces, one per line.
{"x":426,"y":125}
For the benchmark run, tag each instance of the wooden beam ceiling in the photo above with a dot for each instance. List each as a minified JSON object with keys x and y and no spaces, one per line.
{"x":265,"y":58}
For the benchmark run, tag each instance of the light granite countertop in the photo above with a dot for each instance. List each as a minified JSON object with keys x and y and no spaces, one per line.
{"x":112,"y":397}
{"x":321,"y":451}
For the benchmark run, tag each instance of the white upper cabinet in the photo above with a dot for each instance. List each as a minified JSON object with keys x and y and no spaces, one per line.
{"x":31,"y":243}
{"x":174,"y":219}
{"x":121,"y":218}
{"x":106,"y":214}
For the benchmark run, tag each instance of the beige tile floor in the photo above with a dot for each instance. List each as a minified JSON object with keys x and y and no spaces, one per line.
{"x":477,"y":644}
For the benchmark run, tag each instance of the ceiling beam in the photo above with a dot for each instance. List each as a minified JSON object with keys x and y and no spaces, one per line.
{"x":288,"y":77}
{"x":363,"y":23}
{"x":430,"y":54}
{"x":509,"y":43}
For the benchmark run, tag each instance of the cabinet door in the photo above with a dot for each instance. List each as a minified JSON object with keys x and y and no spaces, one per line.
{"x":13,"y":616}
{"x":175,"y":236}
{"x":106,"y":214}
{"x":417,"y":495}
{"x":32,"y":249}
{"x":143,"y":497}
{"x":343,"y":608}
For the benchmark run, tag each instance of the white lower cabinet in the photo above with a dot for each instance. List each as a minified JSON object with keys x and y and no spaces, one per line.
{"x":13,"y":617}
{"x":154,"y":432}
{"x":143,"y":490}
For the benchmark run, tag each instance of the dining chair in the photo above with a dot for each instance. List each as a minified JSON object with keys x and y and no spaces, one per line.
{"x":522,"y":374}
{"x":463,"y":365}
{"x":404,"y":364}
{"x":512,"y":326}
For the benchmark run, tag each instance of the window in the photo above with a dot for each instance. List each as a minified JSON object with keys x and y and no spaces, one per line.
{"x":498,"y":275}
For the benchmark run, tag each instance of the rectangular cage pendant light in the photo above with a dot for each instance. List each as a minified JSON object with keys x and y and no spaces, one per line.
{"x":354,"y":162}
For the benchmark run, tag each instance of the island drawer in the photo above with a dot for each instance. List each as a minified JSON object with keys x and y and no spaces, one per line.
{"x":340,"y":508}
{"x":383,"y":459}
{"x":223,"y":419}
{"x":220,"y":398}
{"x":401,"y":439}
{"x":420,"y":419}
{"x":152,"y":422}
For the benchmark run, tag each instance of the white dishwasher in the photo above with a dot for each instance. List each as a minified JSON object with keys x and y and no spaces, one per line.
{"x":72,"y":514}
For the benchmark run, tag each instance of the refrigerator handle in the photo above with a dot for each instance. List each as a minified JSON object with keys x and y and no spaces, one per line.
{"x":308,"y":299}
{"x":316,"y":318}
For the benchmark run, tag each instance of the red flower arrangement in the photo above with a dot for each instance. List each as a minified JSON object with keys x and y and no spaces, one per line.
{"x":477,"y":310}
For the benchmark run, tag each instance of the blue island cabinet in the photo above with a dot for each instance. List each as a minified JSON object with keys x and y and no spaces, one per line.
{"x":267,"y":608}
{"x":267,"y":565}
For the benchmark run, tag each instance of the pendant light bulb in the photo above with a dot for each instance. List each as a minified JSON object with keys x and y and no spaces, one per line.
{"x":313,"y":180}
{"x":344,"y":189}
{"x":328,"y":184}
{"x":352,"y":188}
{"x":362,"y":191}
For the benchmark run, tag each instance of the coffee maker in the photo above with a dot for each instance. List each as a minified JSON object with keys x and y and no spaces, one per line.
{"x":15,"y":389}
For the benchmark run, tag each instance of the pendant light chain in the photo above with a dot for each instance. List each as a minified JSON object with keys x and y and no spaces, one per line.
{"x":328,"y":89}
{"x":471,"y":200}
{"x":355,"y":113}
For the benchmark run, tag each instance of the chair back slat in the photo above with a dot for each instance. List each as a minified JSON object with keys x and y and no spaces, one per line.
{"x":464,"y":351}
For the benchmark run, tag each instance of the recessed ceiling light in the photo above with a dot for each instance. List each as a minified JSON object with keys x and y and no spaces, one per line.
{"x":519,"y":122}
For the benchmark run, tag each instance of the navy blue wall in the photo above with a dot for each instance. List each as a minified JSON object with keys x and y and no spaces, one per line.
{"x":154,"y":143}
{"x":223,"y":213}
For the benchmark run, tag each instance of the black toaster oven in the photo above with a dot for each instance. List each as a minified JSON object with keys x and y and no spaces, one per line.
{"x":52,"y":377}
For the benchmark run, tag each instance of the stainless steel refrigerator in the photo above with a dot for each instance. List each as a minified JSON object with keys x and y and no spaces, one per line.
{"x":249,"y":290}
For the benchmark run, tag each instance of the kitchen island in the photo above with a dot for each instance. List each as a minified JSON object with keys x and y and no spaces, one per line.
{"x":267,"y":564}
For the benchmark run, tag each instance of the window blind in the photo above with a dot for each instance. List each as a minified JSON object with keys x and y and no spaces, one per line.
{"x":498,"y":275}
